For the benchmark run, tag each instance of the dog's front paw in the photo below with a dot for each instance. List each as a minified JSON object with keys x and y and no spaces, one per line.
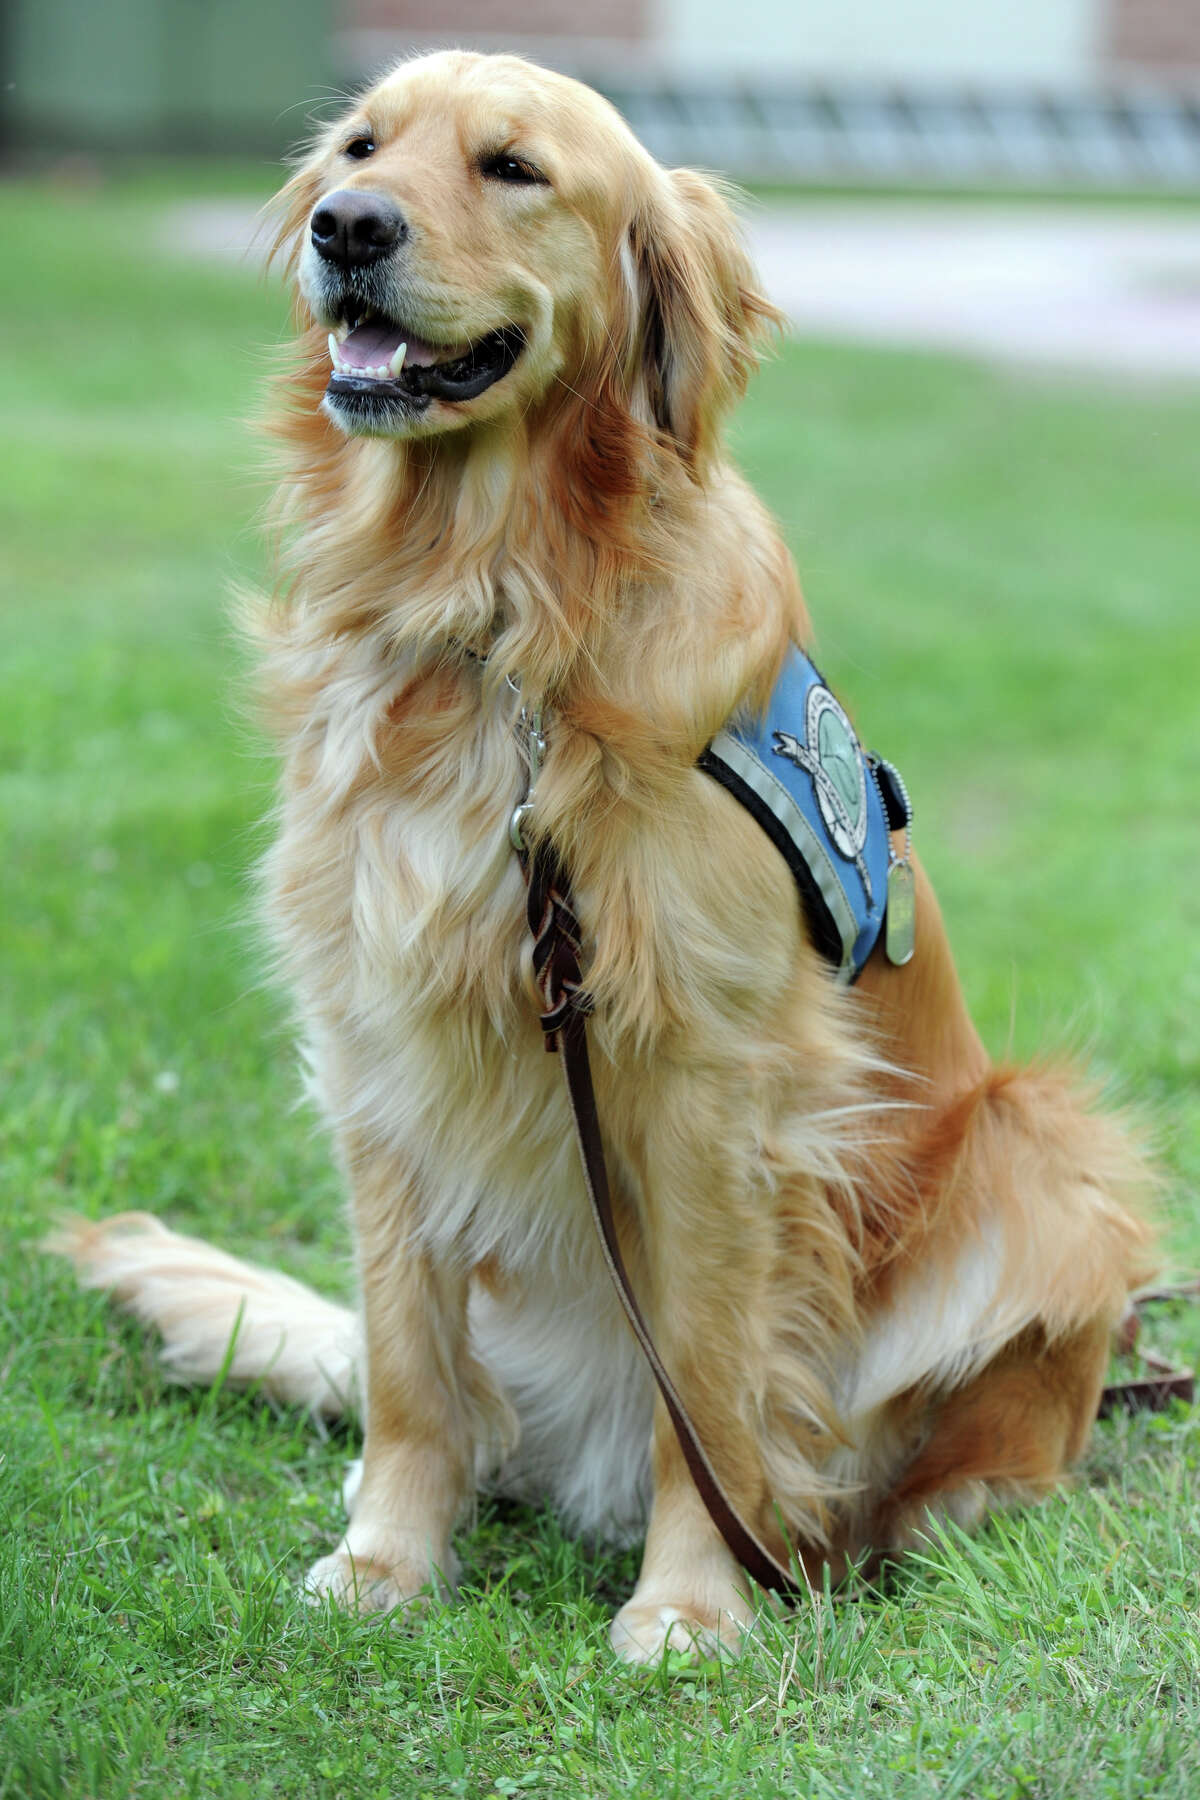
{"x":647,"y":1629}
{"x":375,"y":1582}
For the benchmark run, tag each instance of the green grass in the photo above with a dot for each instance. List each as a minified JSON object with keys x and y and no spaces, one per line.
{"x":1004,"y":574}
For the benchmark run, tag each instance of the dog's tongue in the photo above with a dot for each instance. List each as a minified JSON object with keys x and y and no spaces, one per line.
{"x":368,"y":345}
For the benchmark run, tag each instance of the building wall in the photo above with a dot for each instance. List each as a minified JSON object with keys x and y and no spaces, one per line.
{"x":149,"y":75}
{"x":1003,"y":41}
{"x":1050,"y":43}
{"x":1162,"y":36}
{"x":451,"y":20}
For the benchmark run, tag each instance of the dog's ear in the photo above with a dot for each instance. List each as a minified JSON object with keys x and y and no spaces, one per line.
{"x":702,"y":320}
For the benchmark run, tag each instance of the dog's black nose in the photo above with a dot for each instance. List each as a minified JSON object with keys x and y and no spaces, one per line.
{"x":352,"y":228}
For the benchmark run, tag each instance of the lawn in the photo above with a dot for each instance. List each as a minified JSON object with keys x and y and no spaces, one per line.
{"x":1004,"y":575}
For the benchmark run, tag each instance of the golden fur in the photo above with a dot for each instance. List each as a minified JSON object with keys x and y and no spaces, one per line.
{"x":882,"y":1272}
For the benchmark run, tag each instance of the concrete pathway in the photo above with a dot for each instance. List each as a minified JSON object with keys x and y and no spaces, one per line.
{"x":1095,"y":288}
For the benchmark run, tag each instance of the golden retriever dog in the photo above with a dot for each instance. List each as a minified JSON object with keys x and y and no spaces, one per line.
{"x":881,"y":1271}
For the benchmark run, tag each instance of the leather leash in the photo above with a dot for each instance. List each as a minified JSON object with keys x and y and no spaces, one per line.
{"x":1154,"y":1391}
{"x":565,"y":1005}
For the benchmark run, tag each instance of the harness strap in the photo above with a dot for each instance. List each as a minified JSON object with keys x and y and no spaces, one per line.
{"x":1152,"y":1391}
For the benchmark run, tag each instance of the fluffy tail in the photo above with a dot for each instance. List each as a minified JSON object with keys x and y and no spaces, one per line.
{"x":218,"y":1316}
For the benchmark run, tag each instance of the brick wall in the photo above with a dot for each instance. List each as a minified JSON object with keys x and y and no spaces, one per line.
{"x":1158,"y":35}
{"x":449,"y":20}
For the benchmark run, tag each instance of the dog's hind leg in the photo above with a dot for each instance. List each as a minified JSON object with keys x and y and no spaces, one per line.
{"x":1009,"y":1435}
{"x":994,"y":1337}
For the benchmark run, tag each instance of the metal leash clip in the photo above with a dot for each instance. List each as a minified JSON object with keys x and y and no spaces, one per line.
{"x":533,"y":743}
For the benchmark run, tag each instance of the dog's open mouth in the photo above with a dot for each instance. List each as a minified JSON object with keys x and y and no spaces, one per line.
{"x":376,"y":359}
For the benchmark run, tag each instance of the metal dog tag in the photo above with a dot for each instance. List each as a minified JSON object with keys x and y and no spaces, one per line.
{"x":901,"y":921}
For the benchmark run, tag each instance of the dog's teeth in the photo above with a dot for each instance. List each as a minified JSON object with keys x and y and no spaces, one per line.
{"x":341,"y":332}
{"x":396,"y":361}
{"x":334,"y":358}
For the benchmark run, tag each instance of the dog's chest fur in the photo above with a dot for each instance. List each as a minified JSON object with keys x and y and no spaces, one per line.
{"x":399,"y":907}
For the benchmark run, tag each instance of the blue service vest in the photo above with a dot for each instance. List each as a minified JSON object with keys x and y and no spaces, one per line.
{"x":825,"y":804}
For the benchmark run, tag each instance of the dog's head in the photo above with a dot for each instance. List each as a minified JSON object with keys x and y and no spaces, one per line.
{"x":480,"y":238}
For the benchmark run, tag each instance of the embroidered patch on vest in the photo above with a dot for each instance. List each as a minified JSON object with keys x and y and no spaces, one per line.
{"x":833,"y":759}
{"x":824,"y":803}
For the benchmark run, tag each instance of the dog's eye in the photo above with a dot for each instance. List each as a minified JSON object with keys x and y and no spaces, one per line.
{"x":360,"y":148}
{"x":513,"y":169}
